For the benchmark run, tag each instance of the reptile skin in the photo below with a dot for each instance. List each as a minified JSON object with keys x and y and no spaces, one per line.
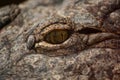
{"x":90,"y":51}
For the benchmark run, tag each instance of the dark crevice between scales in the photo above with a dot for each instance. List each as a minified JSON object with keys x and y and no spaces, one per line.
{"x":5,"y":3}
{"x":8,"y":2}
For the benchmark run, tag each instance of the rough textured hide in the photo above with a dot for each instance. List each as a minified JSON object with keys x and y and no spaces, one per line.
{"x":91,"y":52}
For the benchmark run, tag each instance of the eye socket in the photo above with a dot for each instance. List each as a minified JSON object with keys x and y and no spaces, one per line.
{"x":57,"y":36}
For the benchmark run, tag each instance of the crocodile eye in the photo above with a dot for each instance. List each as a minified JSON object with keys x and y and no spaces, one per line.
{"x":57,"y":36}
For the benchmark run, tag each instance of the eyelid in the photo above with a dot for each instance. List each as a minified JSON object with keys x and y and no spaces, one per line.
{"x":50,"y":21}
{"x":41,"y":35}
{"x":69,"y":42}
{"x":55,"y":27}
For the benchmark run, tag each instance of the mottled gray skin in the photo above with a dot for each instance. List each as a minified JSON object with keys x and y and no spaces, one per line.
{"x":91,"y":55}
{"x":7,"y":14}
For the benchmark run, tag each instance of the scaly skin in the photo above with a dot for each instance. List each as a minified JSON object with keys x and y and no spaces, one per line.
{"x":92,"y":51}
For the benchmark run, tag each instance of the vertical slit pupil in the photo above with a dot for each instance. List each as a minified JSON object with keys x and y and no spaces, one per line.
{"x":57,"y":36}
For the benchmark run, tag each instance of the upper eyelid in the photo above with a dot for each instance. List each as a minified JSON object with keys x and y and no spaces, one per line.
{"x":55,"y":27}
{"x":47,"y":23}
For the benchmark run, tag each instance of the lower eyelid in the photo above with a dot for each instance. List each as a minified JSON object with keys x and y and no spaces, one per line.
{"x":69,"y":42}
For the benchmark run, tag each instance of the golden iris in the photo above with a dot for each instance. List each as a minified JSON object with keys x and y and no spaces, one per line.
{"x":57,"y":36}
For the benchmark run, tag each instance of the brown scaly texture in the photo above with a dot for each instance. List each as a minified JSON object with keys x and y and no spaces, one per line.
{"x":92,"y":51}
